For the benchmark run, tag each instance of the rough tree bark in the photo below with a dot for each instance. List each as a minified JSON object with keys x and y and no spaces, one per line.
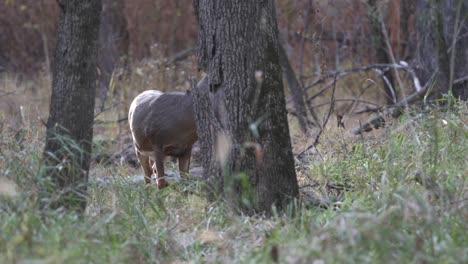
{"x":70,"y":124}
{"x":238,"y":47}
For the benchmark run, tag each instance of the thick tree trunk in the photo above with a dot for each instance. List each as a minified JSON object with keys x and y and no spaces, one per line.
{"x":70,"y":124}
{"x":238,"y":46}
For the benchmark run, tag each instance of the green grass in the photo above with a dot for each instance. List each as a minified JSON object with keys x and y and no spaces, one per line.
{"x":403,"y":199}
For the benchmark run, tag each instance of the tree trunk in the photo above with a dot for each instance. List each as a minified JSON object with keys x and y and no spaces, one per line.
{"x":407,"y":28}
{"x":459,"y":59}
{"x":436,"y":49}
{"x":113,"y":44}
{"x":297,"y":91}
{"x":442,"y":55}
{"x":70,"y":124}
{"x":381,"y":52}
{"x":245,"y":128}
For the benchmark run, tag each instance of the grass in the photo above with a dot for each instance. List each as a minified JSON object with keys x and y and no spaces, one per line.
{"x":398,"y":195}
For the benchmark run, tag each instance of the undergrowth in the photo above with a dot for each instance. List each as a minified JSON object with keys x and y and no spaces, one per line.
{"x":400,"y":197}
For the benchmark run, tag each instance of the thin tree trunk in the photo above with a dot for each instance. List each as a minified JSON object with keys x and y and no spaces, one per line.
{"x":442,"y":55}
{"x":406,"y":22}
{"x":436,"y":49}
{"x":378,"y":42}
{"x":70,"y":124}
{"x":238,"y":46}
{"x":457,"y":42}
{"x":296,"y":89}
{"x":113,"y":44}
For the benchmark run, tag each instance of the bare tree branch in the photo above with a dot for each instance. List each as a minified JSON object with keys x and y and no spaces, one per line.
{"x":182,"y":55}
{"x":316,"y":141}
{"x":5,"y":93}
{"x":460,"y":80}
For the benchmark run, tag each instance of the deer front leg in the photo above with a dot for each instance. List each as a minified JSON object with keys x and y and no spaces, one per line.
{"x":145,"y":164}
{"x":184,"y":163}
{"x":159,"y":162}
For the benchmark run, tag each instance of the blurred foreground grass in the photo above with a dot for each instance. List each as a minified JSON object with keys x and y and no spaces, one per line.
{"x":398,"y":196}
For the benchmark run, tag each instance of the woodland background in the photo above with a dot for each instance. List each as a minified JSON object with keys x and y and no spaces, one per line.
{"x":340,"y":29}
{"x":398,"y":193}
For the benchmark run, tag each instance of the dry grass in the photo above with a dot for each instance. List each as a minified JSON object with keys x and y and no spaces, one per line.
{"x":397,"y":194}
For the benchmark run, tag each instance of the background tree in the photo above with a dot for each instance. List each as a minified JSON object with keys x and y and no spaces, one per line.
{"x":70,"y":124}
{"x":377,"y":38}
{"x":113,"y":44}
{"x":440,"y":45}
{"x":238,"y":47}
{"x":296,"y":89}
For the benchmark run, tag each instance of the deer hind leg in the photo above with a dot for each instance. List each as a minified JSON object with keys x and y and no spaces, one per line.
{"x":184,"y":163}
{"x":145,"y":164}
{"x":159,"y":163}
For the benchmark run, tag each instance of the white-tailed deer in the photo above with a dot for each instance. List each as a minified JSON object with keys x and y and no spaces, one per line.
{"x":163,"y":124}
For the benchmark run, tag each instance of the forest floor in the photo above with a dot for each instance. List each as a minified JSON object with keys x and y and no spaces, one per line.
{"x":397,"y":195}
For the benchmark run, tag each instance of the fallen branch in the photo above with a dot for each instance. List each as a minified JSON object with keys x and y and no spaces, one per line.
{"x":382,"y":67}
{"x":120,"y":120}
{"x":348,"y":100}
{"x":394,"y":111}
{"x":369,"y":110}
